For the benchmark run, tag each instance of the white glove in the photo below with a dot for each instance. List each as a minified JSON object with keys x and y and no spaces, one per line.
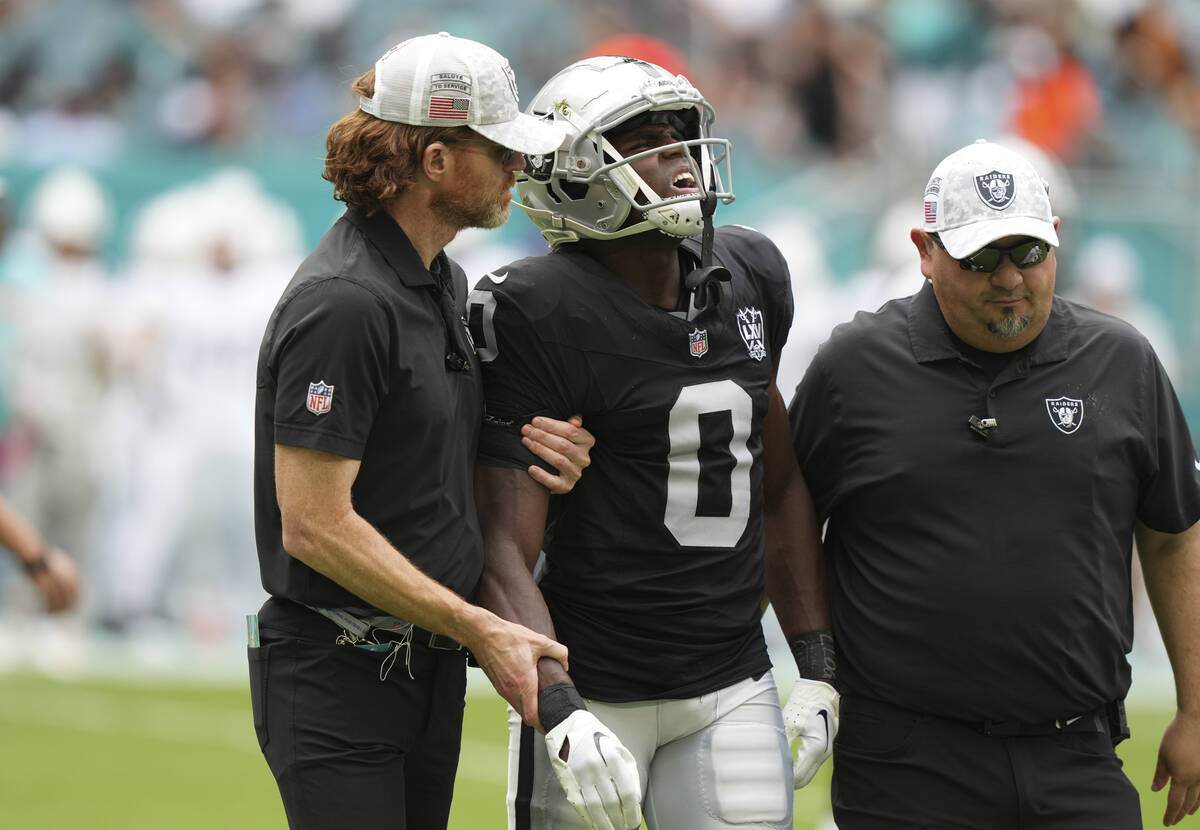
{"x":811,"y":721}
{"x":599,"y":776}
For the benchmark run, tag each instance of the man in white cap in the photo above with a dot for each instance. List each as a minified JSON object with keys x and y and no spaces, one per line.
{"x":985,"y":454}
{"x":368,"y":411}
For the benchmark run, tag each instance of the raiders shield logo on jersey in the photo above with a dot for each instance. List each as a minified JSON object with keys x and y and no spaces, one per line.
{"x":1065,"y":413}
{"x":750,"y":324}
{"x":699,"y":342}
{"x":995,"y":189}
{"x":320,"y":397}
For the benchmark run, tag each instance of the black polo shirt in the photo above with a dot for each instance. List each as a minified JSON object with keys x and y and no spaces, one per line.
{"x":989,"y":578}
{"x":354,"y":362}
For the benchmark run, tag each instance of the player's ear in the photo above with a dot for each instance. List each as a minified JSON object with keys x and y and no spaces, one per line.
{"x":435,"y":161}
{"x":925,"y":245}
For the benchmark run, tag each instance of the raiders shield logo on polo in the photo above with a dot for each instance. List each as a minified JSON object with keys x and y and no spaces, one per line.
{"x":1065,"y":413}
{"x":996,"y":189}
{"x":320,"y":397}
{"x":750,"y":324}
{"x":698,"y":340}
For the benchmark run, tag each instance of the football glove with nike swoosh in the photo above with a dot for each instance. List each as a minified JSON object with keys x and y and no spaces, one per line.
{"x":599,"y":775}
{"x":811,"y":721}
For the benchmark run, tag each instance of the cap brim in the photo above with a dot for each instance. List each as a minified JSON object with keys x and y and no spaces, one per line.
{"x":525,"y":134}
{"x":964,"y":241}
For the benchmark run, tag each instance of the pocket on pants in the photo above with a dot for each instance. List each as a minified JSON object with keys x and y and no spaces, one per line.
{"x":880,"y":734}
{"x":259,"y":659}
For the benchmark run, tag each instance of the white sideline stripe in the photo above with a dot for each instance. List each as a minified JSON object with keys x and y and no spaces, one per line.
{"x":196,"y":724}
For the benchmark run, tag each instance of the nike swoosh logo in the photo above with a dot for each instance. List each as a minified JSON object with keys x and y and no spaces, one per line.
{"x":1072,"y":720}
{"x":825,"y":717}
{"x":1198,"y":463}
{"x":498,"y":278}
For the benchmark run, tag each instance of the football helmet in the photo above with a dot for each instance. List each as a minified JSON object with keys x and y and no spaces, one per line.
{"x":586,"y":188}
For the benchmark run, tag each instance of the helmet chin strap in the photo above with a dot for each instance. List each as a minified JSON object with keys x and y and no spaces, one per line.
{"x":705,"y":281}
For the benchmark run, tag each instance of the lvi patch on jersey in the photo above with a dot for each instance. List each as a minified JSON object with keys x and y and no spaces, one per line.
{"x":320,"y":398}
{"x":1065,"y":413}
{"x":750,"y":324}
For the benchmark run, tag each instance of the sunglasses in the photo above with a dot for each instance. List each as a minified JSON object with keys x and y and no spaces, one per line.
{"x":504,"y":154}
{"x":986,"y":260}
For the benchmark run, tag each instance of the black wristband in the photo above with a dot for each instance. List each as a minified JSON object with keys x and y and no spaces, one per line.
{"x":815,"y":656}
{"x":39,"y":562}
{"x":556,"y":703}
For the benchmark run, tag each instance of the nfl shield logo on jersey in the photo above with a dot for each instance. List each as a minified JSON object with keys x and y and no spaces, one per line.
{"x":320,"y":397}
{"x":1065,"y":413}
{"x":699,"y":342}
{"x":750,"y":324}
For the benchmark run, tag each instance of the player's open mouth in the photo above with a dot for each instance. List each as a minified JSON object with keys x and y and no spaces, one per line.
{"x":684,"y":181}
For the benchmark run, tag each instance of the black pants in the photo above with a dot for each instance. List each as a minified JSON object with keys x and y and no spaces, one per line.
{"x":347,"y":749}
{"x":901,"y":770}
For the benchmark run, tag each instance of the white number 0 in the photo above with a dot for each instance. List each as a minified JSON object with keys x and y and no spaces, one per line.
{"x":683,"y":479}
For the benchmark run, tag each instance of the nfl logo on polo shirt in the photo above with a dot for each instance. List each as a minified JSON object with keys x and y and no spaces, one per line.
{"x":698,"y":340}
{"x":320,"y":397}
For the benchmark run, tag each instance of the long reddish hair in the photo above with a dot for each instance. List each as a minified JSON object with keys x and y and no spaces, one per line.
{"x":370,"y":161}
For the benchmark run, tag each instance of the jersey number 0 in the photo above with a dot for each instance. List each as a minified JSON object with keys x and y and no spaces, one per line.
{"x":695,"y":454}
{"x":686,"y":462}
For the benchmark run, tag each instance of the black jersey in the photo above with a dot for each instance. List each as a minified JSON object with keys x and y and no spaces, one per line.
{"x":988,"y":577}
{"x":654,"y":576}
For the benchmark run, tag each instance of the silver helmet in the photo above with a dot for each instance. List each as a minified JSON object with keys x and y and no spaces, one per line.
{"x":586,"y":188}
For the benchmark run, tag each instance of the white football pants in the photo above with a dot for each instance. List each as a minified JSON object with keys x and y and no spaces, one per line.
{"x":716,"y":761}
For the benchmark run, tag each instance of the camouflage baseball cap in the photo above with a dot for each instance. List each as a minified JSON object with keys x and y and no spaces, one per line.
{"x":446,"y":81}
{"x":985,"y":192}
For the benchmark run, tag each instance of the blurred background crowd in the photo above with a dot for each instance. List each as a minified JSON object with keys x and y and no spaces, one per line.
{"x":160,"y":180}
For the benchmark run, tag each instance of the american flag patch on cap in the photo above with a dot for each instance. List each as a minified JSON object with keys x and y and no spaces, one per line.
{"x":453,"y":108}
{"x":930,"y":211}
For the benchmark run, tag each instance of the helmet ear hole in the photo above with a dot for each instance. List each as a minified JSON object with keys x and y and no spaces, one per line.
{"x":573,"y":190}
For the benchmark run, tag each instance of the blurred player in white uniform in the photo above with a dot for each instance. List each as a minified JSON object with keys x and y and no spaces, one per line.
{"x":208,"y":263}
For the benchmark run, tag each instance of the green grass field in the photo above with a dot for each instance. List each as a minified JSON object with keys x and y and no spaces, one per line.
{"x":101,"y":755}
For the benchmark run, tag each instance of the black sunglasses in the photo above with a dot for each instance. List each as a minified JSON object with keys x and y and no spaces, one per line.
{"x":1023,"y":255}
{"x":504,"y":154}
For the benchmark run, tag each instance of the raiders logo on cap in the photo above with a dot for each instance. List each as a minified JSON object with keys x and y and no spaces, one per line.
{"x":995,"y":189}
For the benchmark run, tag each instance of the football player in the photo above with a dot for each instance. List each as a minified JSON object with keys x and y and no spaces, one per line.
{"x":654,"y":568}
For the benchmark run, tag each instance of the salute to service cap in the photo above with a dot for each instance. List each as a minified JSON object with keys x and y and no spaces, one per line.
{"x":985,"y":192}
{"x":446,"y":81}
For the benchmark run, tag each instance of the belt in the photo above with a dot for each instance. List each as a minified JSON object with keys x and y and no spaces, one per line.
{"x":435,"y":641}
{"x":364,"y":629}
{"x":1094,"y":721}
{"x":381,"y":638}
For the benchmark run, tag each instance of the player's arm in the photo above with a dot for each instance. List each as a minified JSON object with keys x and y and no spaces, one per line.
{"x":53,"y":572}
{"x":512,"y":514}
{"x":597,"y":773}
{"x":796,"y":587}
{"x":1171,"y":565}
{"x":322,"y":529}
{"x":794,"y":557}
